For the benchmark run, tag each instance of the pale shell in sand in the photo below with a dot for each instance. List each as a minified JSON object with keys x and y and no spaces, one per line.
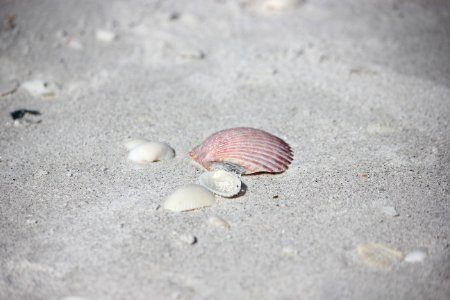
{"x":221,"y":182}
{"x":40,"y":88}
{"x":378,"y":256}
{"x":254,"y":150}
{"x":143,"y":151}
{"x":189,"y":197}
{"x":218,"y":222}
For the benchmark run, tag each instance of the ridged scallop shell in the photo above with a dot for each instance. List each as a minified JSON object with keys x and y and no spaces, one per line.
{"x":221,"y":182}
{"x":189,"y":197}
{"x":253,"y":149}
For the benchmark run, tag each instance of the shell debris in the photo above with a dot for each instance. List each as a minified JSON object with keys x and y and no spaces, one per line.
{"x":389,"y":211}
{"x":40,"y":88}
{"x":278,"y":5}
{"x":378,"y":256}
{"x":105,"y":36}
{"x":253,"y":149}
{"x":142,"y":151}
{"x":416,"y":256}
{"x":218,"y":222}
{"x":221,"y":182}
{"x":189,"y":197}
{"x":188,"y":239}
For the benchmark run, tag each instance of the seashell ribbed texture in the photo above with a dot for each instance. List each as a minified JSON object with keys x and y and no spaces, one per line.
{"x":255,"y":150}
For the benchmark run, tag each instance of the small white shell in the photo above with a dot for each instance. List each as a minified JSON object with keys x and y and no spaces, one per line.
{"x":39,"y":88}
{"x":143,"y":151}
{"x":188,"y":239}
{"x":218,"y":222}
{"x":221,"y":182}
{"x":105,"y":36}
{"x":416,"y":256}
{"x":389,"y":211}
{"x":378,"y":256}
{"x":189,"y":197}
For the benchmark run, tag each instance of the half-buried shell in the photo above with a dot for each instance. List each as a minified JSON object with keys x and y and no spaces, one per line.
{"x":143,"y":151}
{"x":221,"y":182}
{"x":189,"y":197}
{"x":256,"y":151}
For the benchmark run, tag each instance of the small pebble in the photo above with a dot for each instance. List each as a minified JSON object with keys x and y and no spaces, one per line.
{"x":416,"y":256}
{"x":389,"y":211}
{"x":105,"y":36}
{"x":188,"y":239}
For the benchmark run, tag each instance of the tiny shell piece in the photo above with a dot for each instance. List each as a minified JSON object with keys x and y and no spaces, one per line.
{"x":389,"y":211}
{"x":104,"y":35}
{"x":149,"y":151}
{"x":189,"y":197}
{"x":221,"y":182}
{"x":416,"y":256}
{"x":378,"y":256}
{"x":39,"y":88}
{"x":218,"y":222}
{"x":188,"y":239}
{"x":278,"y":5}
{"x":255,"y":150}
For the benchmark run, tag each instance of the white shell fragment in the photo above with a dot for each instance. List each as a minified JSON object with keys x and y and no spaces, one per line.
{"x":389,"y":211}
{"x":221,"y":182}
{"x":416,"y":256}
{"x":40,"y":88}
{"x":142,"y":151}
{"x":105,"y":36}
{"x":279,"y":5}
{"x":378,"y":256}
{"x":218,"y":222}
{"x":189,"y":197}
{"x":188,"y":239}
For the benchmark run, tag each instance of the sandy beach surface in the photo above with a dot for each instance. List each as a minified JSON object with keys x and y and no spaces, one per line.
{"x":359,"y":89}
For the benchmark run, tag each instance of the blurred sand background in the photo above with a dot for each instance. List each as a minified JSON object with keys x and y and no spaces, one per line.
{"x":359,"y":89}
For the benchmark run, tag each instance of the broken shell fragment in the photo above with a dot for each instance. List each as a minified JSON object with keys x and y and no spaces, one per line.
{"x":378,"y":256}
{"x":142,"y":151}
{"x":221,"y":182}
{"x":416,"y":256}
{"x":255,"y":150}
{"x":189,"y":197}
{"x":39,"y":88}
{"x":218,"y":222}
{"x":104,"y":35}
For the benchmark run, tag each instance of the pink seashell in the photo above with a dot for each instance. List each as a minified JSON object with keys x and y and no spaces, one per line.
{"x":256,"y":151}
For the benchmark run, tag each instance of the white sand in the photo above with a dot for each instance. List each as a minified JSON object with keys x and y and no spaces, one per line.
{"x":359,"y":89}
